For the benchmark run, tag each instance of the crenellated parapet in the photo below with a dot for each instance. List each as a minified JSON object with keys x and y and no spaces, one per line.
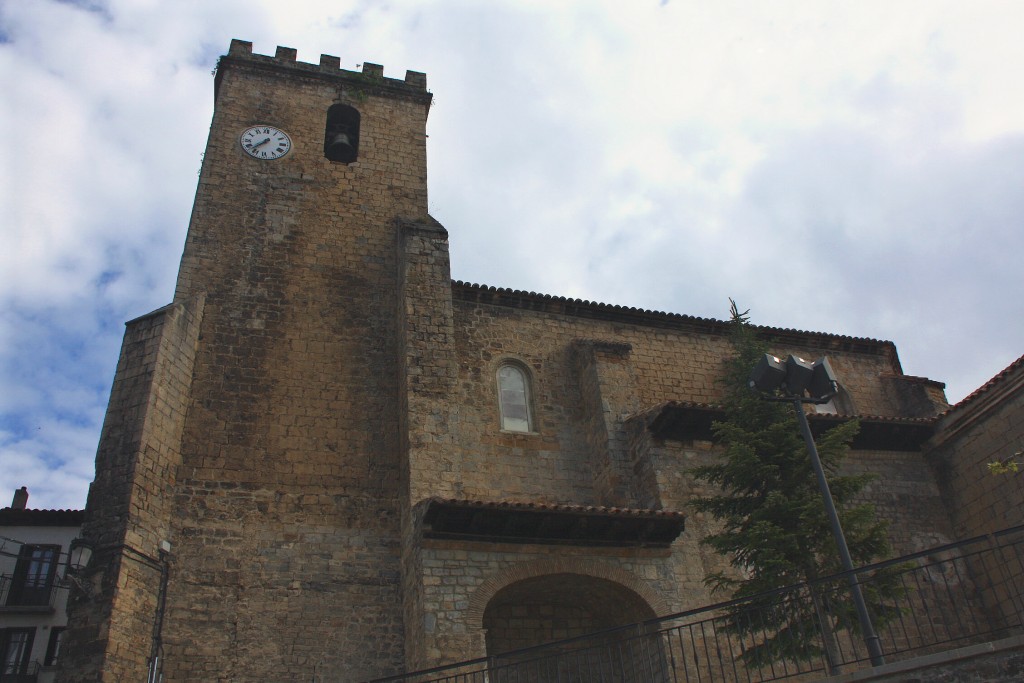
{"x":369,"y":81}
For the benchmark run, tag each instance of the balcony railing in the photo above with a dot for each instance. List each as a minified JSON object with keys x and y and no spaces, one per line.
{"x":949,"y":596}
{"x":29,"y":674}
{"x":14,"y":597}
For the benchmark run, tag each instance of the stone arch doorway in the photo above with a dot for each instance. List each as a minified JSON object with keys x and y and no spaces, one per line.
{"x":556,"y":607}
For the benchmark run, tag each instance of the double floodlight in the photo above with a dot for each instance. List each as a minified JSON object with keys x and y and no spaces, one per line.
{"x":794,"y":377}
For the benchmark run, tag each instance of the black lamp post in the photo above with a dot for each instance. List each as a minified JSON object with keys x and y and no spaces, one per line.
{"x":798,"y":381}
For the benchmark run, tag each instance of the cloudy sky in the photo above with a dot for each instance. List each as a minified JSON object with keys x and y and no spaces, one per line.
{"x":849,"y":167}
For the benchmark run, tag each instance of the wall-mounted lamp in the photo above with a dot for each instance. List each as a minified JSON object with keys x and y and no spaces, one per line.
{"x":79,"y":556}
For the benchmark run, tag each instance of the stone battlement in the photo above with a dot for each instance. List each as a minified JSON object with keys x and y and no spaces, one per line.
{"x":329,"y":66}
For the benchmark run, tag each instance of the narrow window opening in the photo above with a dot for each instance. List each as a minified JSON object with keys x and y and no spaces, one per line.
{"x":341,"y":137}
{"x":53,"y":646}
{"x":514,"y":399}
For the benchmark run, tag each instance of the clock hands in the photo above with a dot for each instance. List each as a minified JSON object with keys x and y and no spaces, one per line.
{"x":264,"y":142}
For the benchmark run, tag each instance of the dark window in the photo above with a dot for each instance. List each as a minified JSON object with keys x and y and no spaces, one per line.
{"x":33,"y":575}
{"x":341,"y":139}
{"x":16,"y":647}
{"x":53,"y":647}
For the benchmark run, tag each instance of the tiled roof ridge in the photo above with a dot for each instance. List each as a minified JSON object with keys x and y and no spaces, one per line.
{"x":39,"y":517}
{"x":555,"y":507}
{"x":985,"y":388}
{"x":663,"y":314}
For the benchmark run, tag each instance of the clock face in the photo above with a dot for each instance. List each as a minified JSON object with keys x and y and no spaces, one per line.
{"x":265,"y":142}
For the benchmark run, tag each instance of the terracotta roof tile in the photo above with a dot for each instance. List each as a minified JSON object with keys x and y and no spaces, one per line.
{"x":557,"y":507}
{"x":987,"y":386}
{"x":34,"y":517}
{"x":554,"y":303}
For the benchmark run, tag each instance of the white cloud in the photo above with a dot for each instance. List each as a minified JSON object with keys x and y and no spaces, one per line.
{"x":662,"y":155}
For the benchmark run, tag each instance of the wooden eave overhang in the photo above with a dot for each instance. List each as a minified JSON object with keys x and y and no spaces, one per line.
{"x":681,"y":421}
{"x":512,"y":522}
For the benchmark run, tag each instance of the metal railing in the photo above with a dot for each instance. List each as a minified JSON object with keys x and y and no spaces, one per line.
{"x":15,"y":595}
{"x":945,"y":597}
{"x":28,"y":674}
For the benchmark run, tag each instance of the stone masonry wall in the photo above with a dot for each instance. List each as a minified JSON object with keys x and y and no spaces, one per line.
{"x":461,"y":578}
{"x":608,"y":391}
{"x":588,"y":377}
{"x":287,"y":512}
{"x":905,"y":493}
{"x":555,"y":464}
{"x":428,"y":415}
{"x":985,"y":428}
{"x":128,"y":512}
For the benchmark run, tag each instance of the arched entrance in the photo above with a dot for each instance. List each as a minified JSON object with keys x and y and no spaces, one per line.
{"x":557,"y":607}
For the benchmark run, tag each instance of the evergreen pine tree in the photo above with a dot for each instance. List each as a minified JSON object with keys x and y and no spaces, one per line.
{"x":773,"y":525}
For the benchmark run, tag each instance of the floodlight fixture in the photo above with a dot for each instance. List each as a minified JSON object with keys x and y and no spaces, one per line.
{"x":768,"y":374}
{"x":798,"y":375}
{"x":795,"y":377}
{"x":823,"y":381}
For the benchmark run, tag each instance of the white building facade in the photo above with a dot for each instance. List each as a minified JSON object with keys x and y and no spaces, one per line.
{"x":34,"y":547}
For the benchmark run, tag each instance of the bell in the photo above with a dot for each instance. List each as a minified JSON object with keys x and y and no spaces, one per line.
{"x":341,"y":149}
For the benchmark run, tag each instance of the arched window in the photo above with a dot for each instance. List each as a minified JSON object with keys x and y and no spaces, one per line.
{"x":514,"y":398}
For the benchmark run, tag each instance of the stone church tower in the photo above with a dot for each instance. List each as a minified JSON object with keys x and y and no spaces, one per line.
{"x":254,"y":422}
{"x":325,"y":460}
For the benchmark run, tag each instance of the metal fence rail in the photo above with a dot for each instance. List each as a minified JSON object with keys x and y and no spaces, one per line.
{"x":948,"y":596}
